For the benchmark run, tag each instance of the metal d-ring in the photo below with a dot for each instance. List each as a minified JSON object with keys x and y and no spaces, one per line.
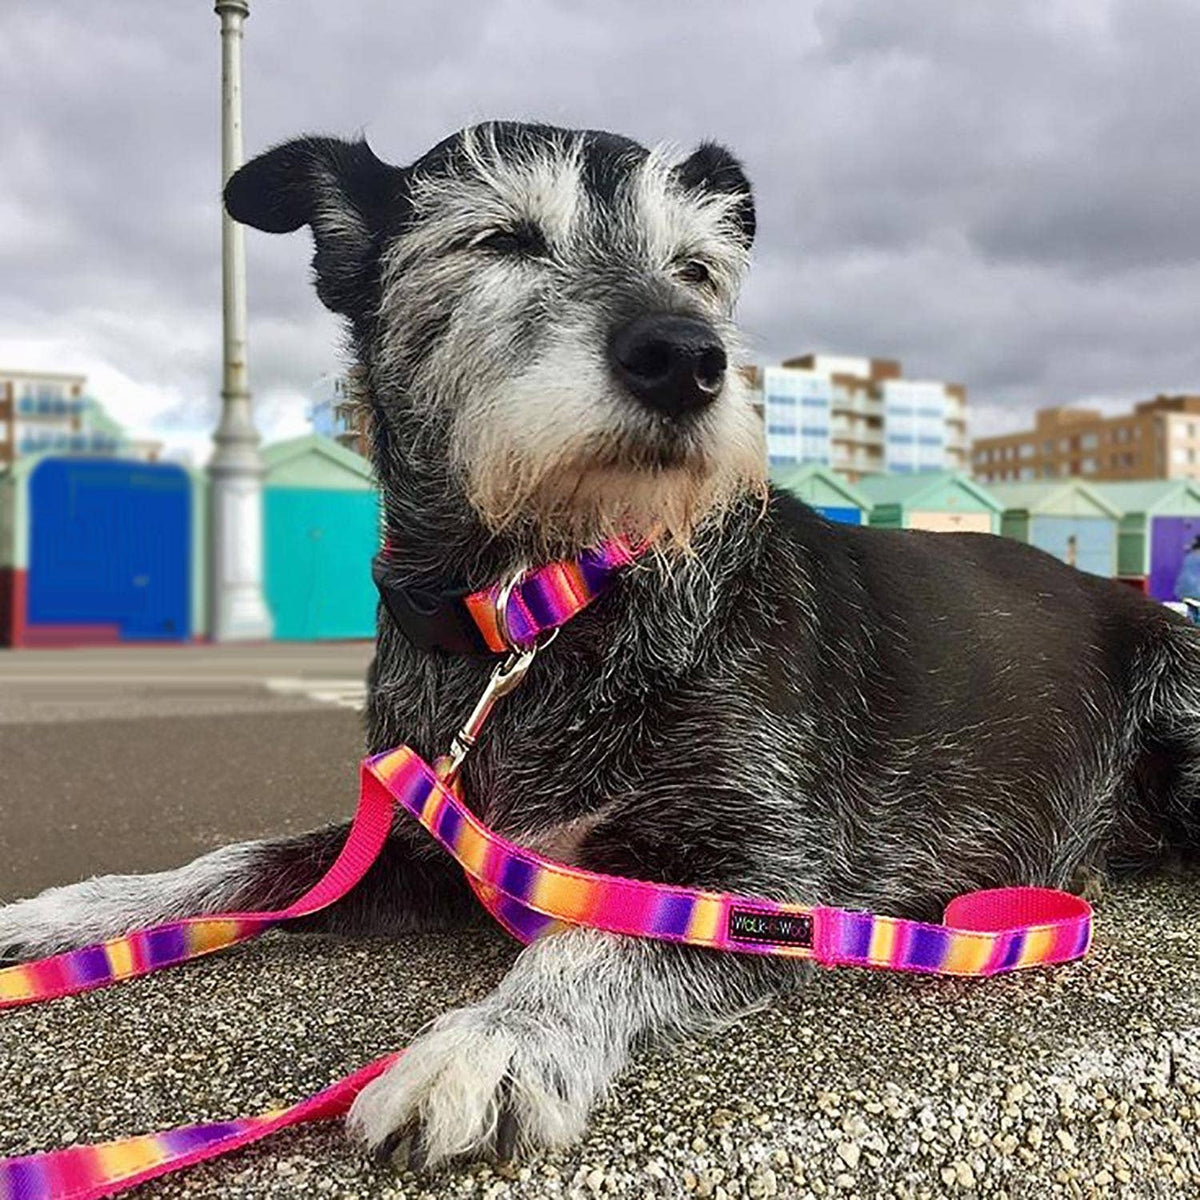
{"x":502,"y":625}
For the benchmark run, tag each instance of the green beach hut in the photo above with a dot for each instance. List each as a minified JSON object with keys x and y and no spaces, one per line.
{"x":822,"y":489}
{"x":1157,"y":533}
{"x":938,"y":501}
{"x":321,"y":529}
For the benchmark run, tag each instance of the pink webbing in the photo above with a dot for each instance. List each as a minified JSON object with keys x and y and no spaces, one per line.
{"x":985,"y":932}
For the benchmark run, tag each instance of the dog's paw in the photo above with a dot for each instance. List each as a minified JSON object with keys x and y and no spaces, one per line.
{"x":477,"y":1085}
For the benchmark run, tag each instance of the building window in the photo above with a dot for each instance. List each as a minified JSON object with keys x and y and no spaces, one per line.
{"x":1047,"y":448}
{"x":1178,"y":456}
{"x":1089,"y":466}
{"x":1027,"y":450}
{"x":1089,"y":441}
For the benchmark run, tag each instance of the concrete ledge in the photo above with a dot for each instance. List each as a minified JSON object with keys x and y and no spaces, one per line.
{"x":1075,"y":1081}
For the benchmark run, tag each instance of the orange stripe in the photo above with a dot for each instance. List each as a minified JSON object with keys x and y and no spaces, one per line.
{"x":563,"y":897}
{"x":1038,"y":944}
{"x":968,"y":955}
{"x":883,"y":942}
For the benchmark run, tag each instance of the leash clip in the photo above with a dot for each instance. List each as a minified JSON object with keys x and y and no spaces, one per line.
{"x":505,"y":678}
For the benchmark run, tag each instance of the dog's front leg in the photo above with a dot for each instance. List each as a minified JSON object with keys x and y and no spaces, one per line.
{"x":412,"y":885}
{"x":521,"y":1070}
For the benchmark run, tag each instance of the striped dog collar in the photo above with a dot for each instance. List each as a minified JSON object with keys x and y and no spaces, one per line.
{"x":466,"y":621}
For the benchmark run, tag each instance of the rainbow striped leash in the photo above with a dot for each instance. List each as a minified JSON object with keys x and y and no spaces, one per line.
{"x":984,"y":933}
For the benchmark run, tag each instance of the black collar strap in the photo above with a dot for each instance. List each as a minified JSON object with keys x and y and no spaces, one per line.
{"x":430,"y":620}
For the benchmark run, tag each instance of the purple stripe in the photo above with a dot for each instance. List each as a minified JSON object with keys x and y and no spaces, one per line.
{"x":855,"y":941}
{"x":1012,"y":951}
{"x":926,"y":948}
{"x":89,"y":965}
{"x":196,"y":1137}
{"x":418,"y":789}
{"x":517,"y":878}
{"x":25,"y":1178}
{"x":595,"y":568}
{"x":165,"y":945}
{"x":449,"y":823}
{"x":538,"y":595}
{"x":524,"y":922}
{"x":1081,"y":938}
{"x":518,"y":622}
{"x":673,"y":914}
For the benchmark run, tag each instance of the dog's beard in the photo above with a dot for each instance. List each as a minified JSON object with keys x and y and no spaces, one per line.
{"x":568,"y":483}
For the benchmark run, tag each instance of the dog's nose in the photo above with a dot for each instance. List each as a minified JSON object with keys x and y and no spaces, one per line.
{"x":674,"y":364}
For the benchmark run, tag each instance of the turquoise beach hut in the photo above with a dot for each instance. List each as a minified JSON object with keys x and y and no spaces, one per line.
{"x":321,"y":529}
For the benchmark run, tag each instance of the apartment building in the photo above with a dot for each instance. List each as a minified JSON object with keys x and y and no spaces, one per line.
{"x":1159,"y":439}
{"x":860,"y":416}
{"x":48,"y":411}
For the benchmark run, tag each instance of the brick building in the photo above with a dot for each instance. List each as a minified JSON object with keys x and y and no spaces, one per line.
{"x":1160,"y":439}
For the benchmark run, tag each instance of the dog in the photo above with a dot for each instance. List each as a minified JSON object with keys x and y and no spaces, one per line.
{"x":766,"y":703}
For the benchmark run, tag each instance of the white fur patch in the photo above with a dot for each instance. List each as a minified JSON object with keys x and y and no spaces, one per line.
{"x":65,"y":918}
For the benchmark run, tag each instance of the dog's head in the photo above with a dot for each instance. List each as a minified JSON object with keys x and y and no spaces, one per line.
{"x":545,"y":318}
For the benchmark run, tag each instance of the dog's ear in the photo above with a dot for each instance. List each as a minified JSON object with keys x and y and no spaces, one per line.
{"x":340,"y":189}
{"x":711,"y":168}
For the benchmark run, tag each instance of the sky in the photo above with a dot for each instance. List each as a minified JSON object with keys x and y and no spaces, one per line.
{"x":1003,"y":193}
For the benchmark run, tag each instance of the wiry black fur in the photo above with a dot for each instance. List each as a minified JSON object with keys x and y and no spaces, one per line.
{"x":801,"y":710}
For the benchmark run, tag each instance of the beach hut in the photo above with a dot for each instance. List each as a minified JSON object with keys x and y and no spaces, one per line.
{"x":1158,"y":536}
{"x":321,"y":529}
{"x":939,"y":501}
{"x":827,"y":492}
{"x":96,"y":550}
{"x":1064,"y":517}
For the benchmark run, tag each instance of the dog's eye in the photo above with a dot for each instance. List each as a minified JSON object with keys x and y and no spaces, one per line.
{"x":693,"y":271}
{"x":523,"y":239}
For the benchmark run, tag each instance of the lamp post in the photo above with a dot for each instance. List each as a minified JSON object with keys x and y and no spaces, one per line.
{"x":238,"y":610}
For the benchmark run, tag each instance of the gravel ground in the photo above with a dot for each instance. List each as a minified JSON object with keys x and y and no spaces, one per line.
{"x":1081,"y":1080}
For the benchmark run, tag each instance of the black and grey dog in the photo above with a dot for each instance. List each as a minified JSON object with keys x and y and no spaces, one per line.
{"x":769,"y":703}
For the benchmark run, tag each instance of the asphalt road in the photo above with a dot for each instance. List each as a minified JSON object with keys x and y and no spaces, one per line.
{"x":1075,"y":1081}
{"x":139,"y":759}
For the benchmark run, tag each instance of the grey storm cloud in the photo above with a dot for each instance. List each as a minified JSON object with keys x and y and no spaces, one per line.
{"x":1004,"y":193}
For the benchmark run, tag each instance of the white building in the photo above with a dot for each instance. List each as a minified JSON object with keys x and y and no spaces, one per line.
{"x":859,"y":416}
{"x":47,"y":411}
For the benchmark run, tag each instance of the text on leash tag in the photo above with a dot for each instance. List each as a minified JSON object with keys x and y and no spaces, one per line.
{"x":781,"y":929}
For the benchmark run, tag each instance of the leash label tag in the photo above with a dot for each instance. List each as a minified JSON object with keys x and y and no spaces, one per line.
{"x":780,"y":929}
